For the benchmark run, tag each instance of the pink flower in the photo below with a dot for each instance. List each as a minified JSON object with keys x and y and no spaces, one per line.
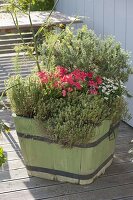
{"x":61,"y":70}
{"x":79,"y":75}
{"x":43,"y":76}
{"x":69,"y":89}
{"x":67,"y":79}
{"x":57,"y":84}
{"x":91,"y":83}
{"x":64,"y":93}
{"x":93,"y":91}
{"x":77,"y":85}
{"x":90,"y":74}
{"x":99,"y":80}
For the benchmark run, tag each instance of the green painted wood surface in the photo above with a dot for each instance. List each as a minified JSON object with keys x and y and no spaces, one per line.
{"x":82,"y":161}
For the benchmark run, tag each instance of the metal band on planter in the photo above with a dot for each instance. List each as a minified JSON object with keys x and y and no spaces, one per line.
{"x":68,"y":174}
{"x":93,"y":144}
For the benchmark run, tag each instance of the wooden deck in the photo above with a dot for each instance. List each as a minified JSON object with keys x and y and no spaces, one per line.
{"x":7,"y":67}
{"x":116,"y":183}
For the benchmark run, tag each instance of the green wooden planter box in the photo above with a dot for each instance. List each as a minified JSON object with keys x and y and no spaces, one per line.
{"x":80,"y":164}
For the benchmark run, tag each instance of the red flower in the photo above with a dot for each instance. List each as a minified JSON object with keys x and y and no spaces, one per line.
{"x":90,"y":74}
{"x":99,"y":80}
{"x":67,"y":79}
{"x":43,"y":76}
{"x":69,"y":89}
{"x":57,"y":84}
{"x":61,"y":79}
{"x":93,"y":91}
{"x":79,"y":75}
{"x":64,"y":93}
{"x":77,"y":85}
{"x":91,"y":83}
{"x":61,"y":70}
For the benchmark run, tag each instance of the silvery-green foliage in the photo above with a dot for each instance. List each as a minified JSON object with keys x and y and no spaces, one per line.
{"x":85,"y":50}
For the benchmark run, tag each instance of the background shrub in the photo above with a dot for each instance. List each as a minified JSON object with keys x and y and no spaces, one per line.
{"x":37,"y":5}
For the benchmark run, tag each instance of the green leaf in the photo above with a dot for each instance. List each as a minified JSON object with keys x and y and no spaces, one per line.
{"x":6,"y":128}
{"x":2,"y":157}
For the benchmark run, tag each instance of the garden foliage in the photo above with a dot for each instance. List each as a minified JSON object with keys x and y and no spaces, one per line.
{"x":81,"y":84}
{"x":84,"y":50}
{"x":2,"y":157}
{"x":36,"y":5}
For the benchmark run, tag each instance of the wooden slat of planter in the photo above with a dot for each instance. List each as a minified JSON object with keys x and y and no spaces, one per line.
{"x":124,"y":166}
{"x":122,"y":139}
{"x":51,"y":157}
{"x":71,"y":163}
{"x":101,"y":155}
{"x":64,"y":160}
{"x":38,"y":165}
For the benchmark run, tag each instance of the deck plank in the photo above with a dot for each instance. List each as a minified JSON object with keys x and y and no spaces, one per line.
{"x":8,"y":68}
{"x":104,"y":194}
{"x":66,"y":191}
{"x":103,"y":182}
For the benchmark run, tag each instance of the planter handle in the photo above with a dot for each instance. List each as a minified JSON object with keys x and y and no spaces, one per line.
{"x":112,"y":133}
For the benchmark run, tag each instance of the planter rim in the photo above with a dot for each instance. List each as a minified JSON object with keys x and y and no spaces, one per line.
{"x":48,"y":140}
{"x":89,"y":145}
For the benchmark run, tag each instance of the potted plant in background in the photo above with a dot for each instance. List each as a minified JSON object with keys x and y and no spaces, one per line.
{"x":67,"y":111}
{"x":5,"y":128}
{"x":37,"y":5}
